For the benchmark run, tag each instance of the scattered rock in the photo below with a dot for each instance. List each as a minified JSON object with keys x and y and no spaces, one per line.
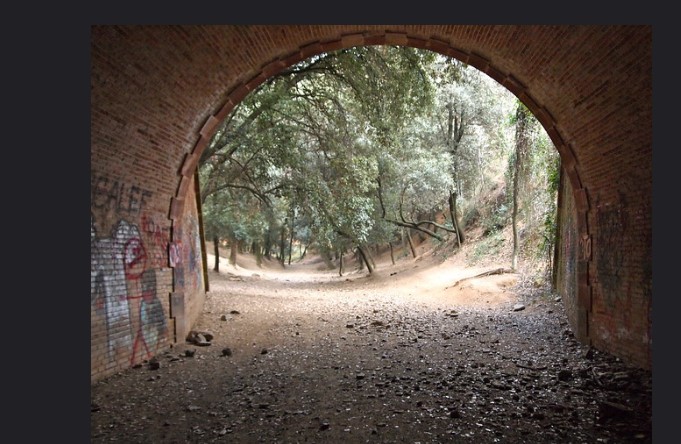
{"x":608,"y":411}
{"x":564,"y":375}
{"x":518,"y":307}
{"x":154,"y":364}
{"x":202,"y":339}
{"x":226,"y":351}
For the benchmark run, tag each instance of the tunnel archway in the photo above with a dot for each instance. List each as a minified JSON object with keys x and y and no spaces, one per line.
{"x":159,"y":92}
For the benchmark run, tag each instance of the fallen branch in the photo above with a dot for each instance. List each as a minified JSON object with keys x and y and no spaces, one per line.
{"x":536,"y":369}
{"x":486,"y":273}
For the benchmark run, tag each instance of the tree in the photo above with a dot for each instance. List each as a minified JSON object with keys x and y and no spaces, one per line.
{"x":523,"y":129}
{"x":346,"y":149}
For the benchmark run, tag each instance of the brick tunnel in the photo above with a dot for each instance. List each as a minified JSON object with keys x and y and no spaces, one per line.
{"x":158,"y":93}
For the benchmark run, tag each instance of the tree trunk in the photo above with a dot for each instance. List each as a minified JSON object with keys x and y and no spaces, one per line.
{"x":328,"y":260}
{"x":216,"y":246}
{"x":268,"y":244}
{"x":233,"y":249}
{"x":290,"y":242}
{"x":521,"y":144}
{"x":365,"y":259}
{"x":340,"y":264}
{"x":258,"y":253}
{"x":557,"y":239}
{"x":455,"y":220}
{"x":392,"y":253}
{"x":282,"y":244}
{"x":360,"y":261}
{"x":514,"y":218}
{"x":411,"y":245}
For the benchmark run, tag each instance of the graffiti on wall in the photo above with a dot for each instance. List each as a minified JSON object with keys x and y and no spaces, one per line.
{"x":611,"y":222}
{"x":109,"y":194}
{"x":124,"y":292}
{"x":192,"y":251}
{"x":159,"y":238}
{"x":185,"y":256}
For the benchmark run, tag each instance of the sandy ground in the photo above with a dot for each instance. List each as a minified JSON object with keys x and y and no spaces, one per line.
{"x":413,"y":353}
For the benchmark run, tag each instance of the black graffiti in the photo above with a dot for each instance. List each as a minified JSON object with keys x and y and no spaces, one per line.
{"x":611,"y":222}
{"x":113,"y":194}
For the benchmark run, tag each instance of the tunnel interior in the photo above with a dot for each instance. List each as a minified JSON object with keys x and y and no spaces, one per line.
{"x":159,"y":92}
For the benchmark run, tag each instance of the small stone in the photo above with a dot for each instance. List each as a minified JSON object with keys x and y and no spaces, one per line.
{"x":564,"y":375}
{"x":223,"y":318}
{"x":234,"y":312}
{"x":226,"y":351}
{"x":189,"y":353}
{"x":589,"y":354}
{"x":518,"y":307}
{"x":263,"y":351}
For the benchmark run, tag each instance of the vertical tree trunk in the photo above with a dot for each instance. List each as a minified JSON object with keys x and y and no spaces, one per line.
{"x":216,"y":246}
{"x":521,"y":144}
{"x":233,"y":250}
{"x":258,"y":253}
{"x":557,"y":239}
{"x":340,"y":264}
{"x":282,"y":244}
{"x":392,"y":253}
{"x":290,"y":241}
{"x":267,"y":249}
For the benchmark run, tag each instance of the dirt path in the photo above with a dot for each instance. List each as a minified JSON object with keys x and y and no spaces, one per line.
{"x":398,"y":356}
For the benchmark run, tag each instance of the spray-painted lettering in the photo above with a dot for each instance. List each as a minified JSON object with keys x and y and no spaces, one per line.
{"x":110,"y":194}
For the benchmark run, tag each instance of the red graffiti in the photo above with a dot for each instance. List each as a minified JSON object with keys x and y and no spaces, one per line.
{"x":175,"y":257}
{"x":159,"y":239}
{"x":134,"y":258}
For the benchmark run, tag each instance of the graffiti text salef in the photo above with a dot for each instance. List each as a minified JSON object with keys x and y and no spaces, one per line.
{"x":114,"y":194}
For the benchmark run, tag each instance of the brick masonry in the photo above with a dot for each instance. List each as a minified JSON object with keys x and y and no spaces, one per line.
{"x":158,"y":91}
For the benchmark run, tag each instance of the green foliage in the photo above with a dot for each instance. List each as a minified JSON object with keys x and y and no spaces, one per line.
{"x":344,"y":142}
{"x":490,"y":245}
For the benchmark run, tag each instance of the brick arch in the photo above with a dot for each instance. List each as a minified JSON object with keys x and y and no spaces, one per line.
{"x":158,"y":92}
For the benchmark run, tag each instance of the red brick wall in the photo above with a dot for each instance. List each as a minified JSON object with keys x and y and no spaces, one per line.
{"x":157,"y":92}
{"x":565,"y":268}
